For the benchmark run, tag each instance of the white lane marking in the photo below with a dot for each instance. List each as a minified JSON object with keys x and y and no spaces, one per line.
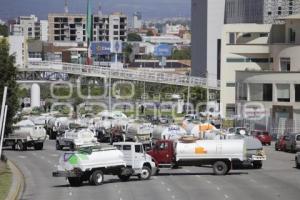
{"x":22,"y":157}
{"x":121,"y":199}
{"x":168,"y":189}
{"x":70,"y":193}
{"x":226,"y":196}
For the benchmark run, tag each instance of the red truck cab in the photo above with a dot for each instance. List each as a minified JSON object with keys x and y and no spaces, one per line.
{"x":263,"y":136}
{"x":163,"y":153}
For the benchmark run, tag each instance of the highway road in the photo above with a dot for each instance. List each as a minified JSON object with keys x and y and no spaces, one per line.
{"x":278,"y":180}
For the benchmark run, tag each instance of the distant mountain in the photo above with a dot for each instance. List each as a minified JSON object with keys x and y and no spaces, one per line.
{"x":150,"y":9}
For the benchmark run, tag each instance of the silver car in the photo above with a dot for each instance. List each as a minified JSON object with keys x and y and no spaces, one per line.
{"x":292,"y":143}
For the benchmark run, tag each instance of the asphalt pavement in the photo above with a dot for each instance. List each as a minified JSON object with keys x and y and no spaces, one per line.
{"x":277,"y":180}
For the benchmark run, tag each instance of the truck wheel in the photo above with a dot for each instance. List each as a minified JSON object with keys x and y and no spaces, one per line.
{"x":21,"y":146}
{"x":96,"y":177}
{"x":58,"y":147}
{"x":145,"y":174}
{"x":72,"y":147}
{"x":75,"y":181}
{"x":297,"y":163}
{"x":124,"y":178}
{"x":257,"y":164}
{"x":38,"y":146}
{"x":220,"y":168}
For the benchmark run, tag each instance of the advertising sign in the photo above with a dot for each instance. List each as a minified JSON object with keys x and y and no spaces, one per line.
{"x":100,"y":48}
{"x":163,"y":50}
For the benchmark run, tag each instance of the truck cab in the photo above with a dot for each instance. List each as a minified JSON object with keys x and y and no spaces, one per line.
{"x":135,"y":157}
{"x":163,"y":153}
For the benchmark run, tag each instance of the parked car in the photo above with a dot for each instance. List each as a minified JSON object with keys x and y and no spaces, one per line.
{"x":280,"y":143}
{"x":263,"y":136}
{"x":297,"y":160}
{"x":293,"y":142}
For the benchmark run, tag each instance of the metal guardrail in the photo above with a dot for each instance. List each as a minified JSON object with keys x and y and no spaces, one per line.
{"x":125,"y":74}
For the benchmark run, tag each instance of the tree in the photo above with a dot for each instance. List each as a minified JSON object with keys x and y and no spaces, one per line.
{"x":3,"y":30}
{"x":8,"y":78}
{"x":197,"y":95}
{"x":149,"y":33}
{"x":127,"y":52}
{"x":134,"y":37}
{"x":184,"y":54}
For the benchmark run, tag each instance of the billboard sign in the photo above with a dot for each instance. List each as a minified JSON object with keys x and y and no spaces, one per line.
{"x":163,"y":50}
{"x":100,"y":48}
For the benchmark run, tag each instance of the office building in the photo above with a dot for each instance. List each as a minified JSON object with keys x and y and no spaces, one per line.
{"x":207,"y":23}
{"x":259,"y":11}
{"x":137,"y":20}
{"x":27,"y":26}
{"x":70,"y":28}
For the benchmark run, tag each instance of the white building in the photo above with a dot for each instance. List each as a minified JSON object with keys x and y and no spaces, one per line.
{"x":71,"y":28}
{"x":258,"y":47}
{"x":44,"y":30}
{"x":174,"y":29}
{"x":207,"y":24}
{"x":27,"y":26}
{"x":137,"y":20}
{"x":18,"y":49}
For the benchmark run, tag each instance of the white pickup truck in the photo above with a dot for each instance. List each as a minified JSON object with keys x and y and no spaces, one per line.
{"x":90,"y":163}
{"x":75,"y":138}
{"x":26,"y":134}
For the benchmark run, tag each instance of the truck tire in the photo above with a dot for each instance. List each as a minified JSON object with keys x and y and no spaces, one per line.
{"x":145,"y":174}
{"x":58,"y":147}
{"x":220,"y":168}
{"x":21,"y":146}
{"x":297,"y":163}
{"x":96,"y":178}
{"x":124,"y":178}
{"x":38,"y":146}
{"x":72,"y":147}
{"x":257,"y":164}
{"x":75,"y":181}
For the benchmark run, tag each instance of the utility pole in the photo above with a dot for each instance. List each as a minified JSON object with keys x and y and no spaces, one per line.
{"x":3,"y":118}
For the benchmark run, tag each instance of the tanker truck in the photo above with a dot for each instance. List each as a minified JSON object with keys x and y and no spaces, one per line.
{"x":90,"y":163}
{"x":75,"y":138}
{"x":171,"y":132}
{"x":26,"y":134}
{"x":140,"y":132}
{"x":55,"y":126}
{"x":220,"y":154}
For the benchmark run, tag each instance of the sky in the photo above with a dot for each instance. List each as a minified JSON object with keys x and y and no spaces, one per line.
{"x":151,"y":9}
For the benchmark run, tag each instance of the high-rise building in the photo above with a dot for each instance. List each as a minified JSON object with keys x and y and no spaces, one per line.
{"x":259,"y":11}
{"x":66,"y":27}
{"x":137,"y":20}
{"x":207,"y":23}
{"x":27,"y":26}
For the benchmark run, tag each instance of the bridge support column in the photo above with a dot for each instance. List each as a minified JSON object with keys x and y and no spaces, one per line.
{"x":35,"y":95}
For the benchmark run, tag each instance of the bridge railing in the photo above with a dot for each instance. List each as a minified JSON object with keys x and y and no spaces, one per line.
{"x":138,"y":75}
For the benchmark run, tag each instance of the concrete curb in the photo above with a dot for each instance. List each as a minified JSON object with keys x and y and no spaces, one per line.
{"x":18,"y":182}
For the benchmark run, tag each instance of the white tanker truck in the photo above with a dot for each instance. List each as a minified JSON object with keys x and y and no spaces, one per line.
{"x":75,"y":138}
{"x":26,"y":134}
{"x":171,"y":132}
{"x":220,"y":154}
{"x":57,"y":125}
{"x":140,"y":132}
